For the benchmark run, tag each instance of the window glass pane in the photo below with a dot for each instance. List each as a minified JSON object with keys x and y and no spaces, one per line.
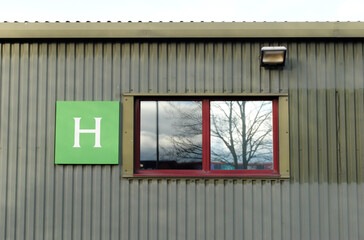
{"x":171,"y":135}
{"x":241,"y":135}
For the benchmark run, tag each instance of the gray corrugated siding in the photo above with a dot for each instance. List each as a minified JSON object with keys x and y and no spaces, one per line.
{"x":323,"y":200}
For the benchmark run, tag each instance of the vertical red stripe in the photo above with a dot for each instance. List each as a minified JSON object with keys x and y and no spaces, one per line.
{"x":206,"y":135}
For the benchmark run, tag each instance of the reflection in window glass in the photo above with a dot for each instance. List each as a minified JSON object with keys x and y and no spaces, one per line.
{"x":170,"y":135}
{"x":241,"y":135}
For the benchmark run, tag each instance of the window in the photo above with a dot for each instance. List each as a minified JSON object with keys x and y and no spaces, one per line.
{"x":199,"y":136}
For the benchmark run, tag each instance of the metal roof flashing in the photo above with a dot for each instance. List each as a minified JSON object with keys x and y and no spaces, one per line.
{"x":182,"y":30}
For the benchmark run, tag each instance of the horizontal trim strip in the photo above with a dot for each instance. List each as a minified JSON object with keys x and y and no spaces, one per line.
{"x":182,"y":30}
{"x":206,"y":94}
{"x":218,"y":174}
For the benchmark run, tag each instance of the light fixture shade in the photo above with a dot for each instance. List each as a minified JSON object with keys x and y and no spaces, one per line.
{"x":273,"y":57}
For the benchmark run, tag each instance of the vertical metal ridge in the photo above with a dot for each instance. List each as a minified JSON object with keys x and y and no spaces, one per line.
{"x":341,"y":133}
{"x":5,"y":89}
{"x":285,"y":75}
{"x":172,"y":67}
{"x":340,"y":84}
{"x":181,"y":67}
{"x":134,"y":67}
{"x":190,"y":68}
{"x":332,"y":139}
{"x":191,"y":209}
{"x":107,"y":72}
{"x":268,"y":199}
{"x":238,"y":210}
{"x":200,"y":80}
{"x":248,"y":209}
{"x":79,"y":73}
{"x":237,"y":68}
{"x":246,"y":68}
{"x":59,"y":170}
{"x":332,"y":113}
{"x":228,"y":68}
{"x":313,"y":112}
{"x":323,"y":166}
{"x":359,"y":105}
{"x":220,"y":209}
{"x":144,"y":67}
{"x":312,"y":95}
{"x":255,"y":69}
{"x":218,"y":67}
{"x":303,"y":119}
{"x":116,"y":72}
{"x":265,"y":74}
{"x":200,"y":209}
{"x":321,"y":120}
{"x":351,"y":143}
{"x":209,"y":68}
{"x":359,"y":100}
{"x":17,"y":55}
{"x":49,"y":139}
{"x":69,"y":172}
{"x":13,"y":132}
{"x":293,"y":114}
{"x":350,"y":115}
{"x":42,"y":143}
{"x":163,"y":67}
{"x":21,"y":148}
{"x":78,"y":171}
{"x":98,"y":72}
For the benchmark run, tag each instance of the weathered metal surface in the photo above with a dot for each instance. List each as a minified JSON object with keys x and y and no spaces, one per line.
{"x":173,"y":30}
{"x":323,"y":199}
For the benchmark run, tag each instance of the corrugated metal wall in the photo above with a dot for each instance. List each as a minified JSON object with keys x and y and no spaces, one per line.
{"x":323,"y":200}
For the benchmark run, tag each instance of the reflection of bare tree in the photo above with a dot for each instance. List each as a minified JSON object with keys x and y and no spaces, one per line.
{"x":241,"y":133}
{"x":187,"y":137}
{"x":246,"y":134}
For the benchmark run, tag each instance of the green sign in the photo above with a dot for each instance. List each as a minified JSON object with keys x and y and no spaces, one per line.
{"x":87,"y":133}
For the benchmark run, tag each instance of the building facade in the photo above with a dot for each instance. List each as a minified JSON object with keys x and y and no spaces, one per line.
{"x":323,"y":78}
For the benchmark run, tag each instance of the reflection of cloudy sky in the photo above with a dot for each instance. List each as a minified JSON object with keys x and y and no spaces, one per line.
{"x":167,"y":120}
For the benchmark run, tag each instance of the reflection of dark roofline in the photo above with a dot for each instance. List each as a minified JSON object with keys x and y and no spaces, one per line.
{"x":171,"y":164}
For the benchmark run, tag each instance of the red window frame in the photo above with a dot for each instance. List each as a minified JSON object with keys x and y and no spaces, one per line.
{"x":206,"y":171}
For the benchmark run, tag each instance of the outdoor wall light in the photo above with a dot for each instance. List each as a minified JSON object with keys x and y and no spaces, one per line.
{"x":273,"y":57}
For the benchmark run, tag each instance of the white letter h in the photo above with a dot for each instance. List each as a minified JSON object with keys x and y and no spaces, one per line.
{"x":96,"y":131}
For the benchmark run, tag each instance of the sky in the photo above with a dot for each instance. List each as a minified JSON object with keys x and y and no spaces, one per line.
{"x":176,"y":11}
